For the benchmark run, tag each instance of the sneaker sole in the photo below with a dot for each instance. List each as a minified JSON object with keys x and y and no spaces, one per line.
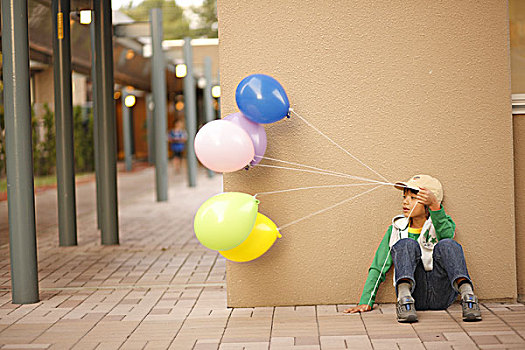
{"x":471,"y":318}
{"x":408,"y":319}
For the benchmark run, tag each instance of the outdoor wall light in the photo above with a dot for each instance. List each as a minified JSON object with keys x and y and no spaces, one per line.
{"x":201,"y":83}
{"x":129,"y":101}
{"x":85,"y":16}
{"x":116,"y":95}
{"x":216,"y":91}
{"x":181,"y":70}
{"x":130,"y":54}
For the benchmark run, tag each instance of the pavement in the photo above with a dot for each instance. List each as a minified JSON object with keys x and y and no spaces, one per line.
{"x":160,"y":289}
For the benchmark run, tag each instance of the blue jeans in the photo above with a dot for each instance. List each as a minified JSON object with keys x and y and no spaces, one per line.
{"x":436,"y":289}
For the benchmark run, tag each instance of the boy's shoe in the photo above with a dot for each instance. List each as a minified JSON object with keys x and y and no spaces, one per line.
{"x":471,"y":310}
{"x":406,"y":311}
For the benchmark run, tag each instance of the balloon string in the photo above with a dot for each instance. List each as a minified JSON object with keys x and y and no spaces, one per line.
{"x":325,"y":170}
{"x":328,"y":208}
{"x":336,"y":144}
{"x":311,"y":187}
{"x":303,"y":170}
{"x":374,"y":290}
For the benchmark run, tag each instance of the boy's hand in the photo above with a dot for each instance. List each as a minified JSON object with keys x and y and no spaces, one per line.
{"x":426,"y":197}
{"x":358,"y":308}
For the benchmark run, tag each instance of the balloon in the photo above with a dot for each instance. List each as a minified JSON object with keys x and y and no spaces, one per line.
{"x":262,"y":237}
{"x":262,"y":99}
{"x":223,"y":146}
{"x":224,"y":221}
{"x":254,"y":130}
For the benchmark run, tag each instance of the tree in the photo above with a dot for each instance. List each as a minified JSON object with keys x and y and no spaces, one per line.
{"x":174,"y":23}
{"x":207,"y":13}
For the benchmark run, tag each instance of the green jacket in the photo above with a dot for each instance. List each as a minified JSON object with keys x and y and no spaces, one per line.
{"x":382,"y":262}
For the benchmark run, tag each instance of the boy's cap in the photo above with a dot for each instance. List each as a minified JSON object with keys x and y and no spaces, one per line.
{"x":426,"y":181}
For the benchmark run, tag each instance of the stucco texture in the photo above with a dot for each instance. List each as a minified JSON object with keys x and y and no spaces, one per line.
{"x":407,"y":89}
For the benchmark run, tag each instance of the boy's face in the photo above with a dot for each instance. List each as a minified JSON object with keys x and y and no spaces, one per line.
{"x":409,"y":201}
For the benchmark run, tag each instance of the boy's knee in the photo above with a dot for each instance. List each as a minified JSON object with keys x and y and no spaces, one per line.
{"x":447,"y":243}
{"x":406,"y":246}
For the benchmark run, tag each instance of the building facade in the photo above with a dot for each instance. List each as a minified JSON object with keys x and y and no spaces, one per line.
{"x":406,"y":88}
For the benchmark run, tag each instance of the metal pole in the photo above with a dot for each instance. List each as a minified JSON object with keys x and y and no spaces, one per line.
{"x":190,"y":104}
{"x":208,"y":102}
{"x":126,"y":130}
{"x":158,"y":84}
{"x":19,"y":157}
{"x":65,"y":168}
{"x":151,"y":128}
{"x":106,"y":122}
{"x":96,"y":115}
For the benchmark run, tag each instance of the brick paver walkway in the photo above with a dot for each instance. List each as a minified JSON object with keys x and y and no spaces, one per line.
{"x":160,"y":289}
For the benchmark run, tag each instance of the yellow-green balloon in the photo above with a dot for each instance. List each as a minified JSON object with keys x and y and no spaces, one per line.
{"x":224,"y":221}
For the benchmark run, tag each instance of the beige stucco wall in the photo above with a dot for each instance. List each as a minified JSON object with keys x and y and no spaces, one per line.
{"x":419,"y":88}
{"x":79,"y":89}
{"x":45,"y":93}
{"x":519,"y":173}
{"x":44,"y":90}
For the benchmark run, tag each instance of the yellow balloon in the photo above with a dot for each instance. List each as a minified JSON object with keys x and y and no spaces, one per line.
{"x":262,"y":237}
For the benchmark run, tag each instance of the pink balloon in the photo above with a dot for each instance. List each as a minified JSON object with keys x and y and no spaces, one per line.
{"x":223,"y":146}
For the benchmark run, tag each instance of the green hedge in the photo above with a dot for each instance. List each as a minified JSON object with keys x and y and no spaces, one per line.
{"x":44,"y":146}
{"x":83,"y":140}
{"x":44,"y":142}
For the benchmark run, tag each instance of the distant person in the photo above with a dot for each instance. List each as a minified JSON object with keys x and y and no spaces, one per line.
{"x":429,"y":266}
{"x":177,"y":138}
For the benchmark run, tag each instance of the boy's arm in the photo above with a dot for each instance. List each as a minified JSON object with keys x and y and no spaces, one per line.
{"x":443,"y":223}
{"x":376,"y":274}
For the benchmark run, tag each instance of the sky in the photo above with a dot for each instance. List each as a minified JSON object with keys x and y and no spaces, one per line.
{"x":116,"y":4}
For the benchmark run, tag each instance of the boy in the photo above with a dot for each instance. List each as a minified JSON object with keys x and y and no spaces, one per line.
{"x":430,"y":269}
{"x":177,"y":138}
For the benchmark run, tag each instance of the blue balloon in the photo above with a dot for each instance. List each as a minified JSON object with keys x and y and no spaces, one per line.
{"x":262,"y":99}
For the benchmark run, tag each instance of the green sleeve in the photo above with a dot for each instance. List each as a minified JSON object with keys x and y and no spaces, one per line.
{"x":443,"y":224}
{"x":376,"y":274}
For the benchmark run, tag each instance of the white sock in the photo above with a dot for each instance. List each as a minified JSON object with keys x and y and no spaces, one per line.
{"x":403,"y":290}
{"x":466,"y":288}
